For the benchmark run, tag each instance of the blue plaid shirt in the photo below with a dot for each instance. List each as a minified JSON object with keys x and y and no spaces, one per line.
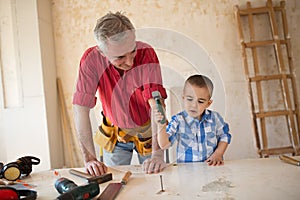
{"x":197,"y":140}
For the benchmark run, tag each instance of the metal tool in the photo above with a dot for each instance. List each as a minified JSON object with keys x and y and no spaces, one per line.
{"x":69,"y":190}
{"x":111,"y":191}
{"x":99,"y":179}
{"x":289,"y":160}
{"x":161,"y":185}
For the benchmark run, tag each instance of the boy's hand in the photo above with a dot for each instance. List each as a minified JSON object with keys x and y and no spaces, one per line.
{"x":215,"y":160}
{"x":157,"y":116}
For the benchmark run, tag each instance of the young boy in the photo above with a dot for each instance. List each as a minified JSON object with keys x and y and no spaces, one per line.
{"x":201,"y":134}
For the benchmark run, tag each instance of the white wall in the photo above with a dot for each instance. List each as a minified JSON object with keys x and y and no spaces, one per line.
{"x":32,"y":128}
{"x":211,"y":25}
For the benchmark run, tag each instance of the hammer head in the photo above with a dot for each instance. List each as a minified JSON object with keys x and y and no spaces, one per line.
{"x":90,"y":178}
{"x":100,"y":179}
{"x":156,"y":95}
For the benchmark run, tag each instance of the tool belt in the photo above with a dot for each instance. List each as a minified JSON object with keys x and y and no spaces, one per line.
{"x":108,"y":135}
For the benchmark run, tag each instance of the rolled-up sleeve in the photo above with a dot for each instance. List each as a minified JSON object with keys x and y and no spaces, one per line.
{"x":225,"y":136}
{"x":152,"y":76}
{"x":87,"y":82}
{"x":172,"y":129}
{"x":84,"y":99}
{"x":222,"y":129}
{"x":147,"y":92}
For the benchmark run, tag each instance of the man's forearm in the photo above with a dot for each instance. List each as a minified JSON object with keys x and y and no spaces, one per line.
{"x":84,"y":132}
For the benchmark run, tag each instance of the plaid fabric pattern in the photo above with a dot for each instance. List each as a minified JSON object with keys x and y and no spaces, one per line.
{"x":197,"y":140}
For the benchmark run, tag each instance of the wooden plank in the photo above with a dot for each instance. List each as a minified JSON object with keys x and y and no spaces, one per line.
{"x":67,"y":131}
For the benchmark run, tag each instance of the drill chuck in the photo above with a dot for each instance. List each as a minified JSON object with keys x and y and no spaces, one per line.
{"x":63,"y":185}
{"x":69,"y":190}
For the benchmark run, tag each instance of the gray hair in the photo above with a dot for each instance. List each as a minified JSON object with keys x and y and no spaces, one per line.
{"x":112,"y":26}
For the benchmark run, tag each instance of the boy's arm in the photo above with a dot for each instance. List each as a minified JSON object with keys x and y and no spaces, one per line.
{"x":163,"y":137}
{"x":217,"y":157}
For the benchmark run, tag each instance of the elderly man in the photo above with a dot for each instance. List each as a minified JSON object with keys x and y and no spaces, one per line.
{"x":125,"y":72}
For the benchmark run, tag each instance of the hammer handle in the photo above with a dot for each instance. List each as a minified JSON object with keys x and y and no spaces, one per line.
{"x":80,"y":174}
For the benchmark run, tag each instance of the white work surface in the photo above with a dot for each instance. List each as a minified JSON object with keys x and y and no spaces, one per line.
{"x":264,"y":178}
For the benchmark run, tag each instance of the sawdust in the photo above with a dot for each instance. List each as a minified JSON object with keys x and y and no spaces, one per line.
{"x":220,"y":185}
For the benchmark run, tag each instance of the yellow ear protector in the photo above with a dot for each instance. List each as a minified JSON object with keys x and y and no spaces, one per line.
{"x":23,"y":166}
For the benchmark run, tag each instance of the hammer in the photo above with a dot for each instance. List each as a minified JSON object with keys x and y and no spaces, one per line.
{"x":99,"y":179}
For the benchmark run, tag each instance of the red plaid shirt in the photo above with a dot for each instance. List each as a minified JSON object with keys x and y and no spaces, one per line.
{"x":124,"y":98}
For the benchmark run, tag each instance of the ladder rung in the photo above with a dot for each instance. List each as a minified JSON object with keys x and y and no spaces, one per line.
{"x":276,"y":151}
{"x":269,"y":77}
{"x":258,"y":10}
{"x":262,"y":43}
{"x":273,"y":113}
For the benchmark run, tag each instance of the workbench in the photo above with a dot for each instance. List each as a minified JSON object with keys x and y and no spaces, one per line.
{"x":262,"y":178}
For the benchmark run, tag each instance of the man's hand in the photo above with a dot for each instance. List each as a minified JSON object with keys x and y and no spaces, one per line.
{"x":154,"y":165}
{"x":95,"y":167}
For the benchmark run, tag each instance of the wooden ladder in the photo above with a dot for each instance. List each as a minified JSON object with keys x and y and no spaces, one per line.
{"x":269,"y":70}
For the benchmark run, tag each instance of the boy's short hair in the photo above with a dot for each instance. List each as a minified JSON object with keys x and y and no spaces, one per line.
{"x":201,"y":81}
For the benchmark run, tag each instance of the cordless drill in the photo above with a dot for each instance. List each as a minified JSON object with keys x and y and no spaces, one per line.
{"x":70,"y":191}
